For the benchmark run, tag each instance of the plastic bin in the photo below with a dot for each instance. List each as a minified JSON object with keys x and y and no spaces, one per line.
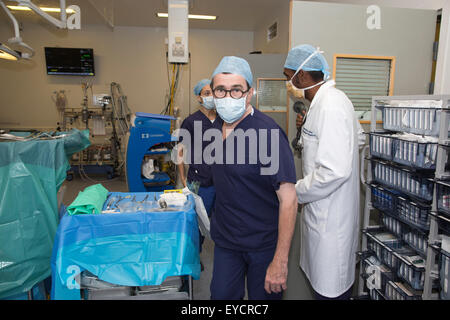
{"x":382,"y":245}
{"x":375,"y":295}
{"x":421,"y":155}
{"x":416,"y":239}
{"x":411,"y":268}
{"x":371,"y":263}
{"x":414,"y":213}
{"x":393,"y":225}
{"x":392,"y":118}
{"x":422,"y":121}
{"x":401,"y":291}
{"x":413,"y":237}
{"x":383,"y":199}
{"x":375,"y":246}
{"x":389,"y":255}
{"x":381,"y":146}
{"x":406,"y":181}
{"x":414,"y":154}
{"x":443,"y":190}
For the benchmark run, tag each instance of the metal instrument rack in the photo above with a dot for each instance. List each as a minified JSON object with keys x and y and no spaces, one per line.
{"x":440,"y":128}
{"x":106,"y":154}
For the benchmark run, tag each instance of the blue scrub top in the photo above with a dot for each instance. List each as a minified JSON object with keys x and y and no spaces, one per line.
{"x":200,"y":172}
{"x":246,"y":208}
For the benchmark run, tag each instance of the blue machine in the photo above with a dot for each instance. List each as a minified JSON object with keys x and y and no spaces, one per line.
{"x":148,"y":130}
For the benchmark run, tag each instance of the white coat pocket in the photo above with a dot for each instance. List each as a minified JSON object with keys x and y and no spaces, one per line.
{"x":310,"y":144}
{"x":316,"y":215}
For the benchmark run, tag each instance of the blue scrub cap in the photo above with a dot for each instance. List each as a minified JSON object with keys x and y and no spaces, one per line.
{"x":235,"y":65}
{"x":299,"y":54}
{"x":199,"y":86}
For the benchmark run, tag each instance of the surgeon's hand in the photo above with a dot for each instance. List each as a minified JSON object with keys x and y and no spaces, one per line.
{"x":276,"y":277}
{"x":300,"y":118}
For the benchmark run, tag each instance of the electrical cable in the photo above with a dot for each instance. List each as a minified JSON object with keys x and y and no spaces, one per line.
{"x":189,"y":83}
{"x":84,"y":176}
{"x":168,"y":106}
{"x":172,"y":89}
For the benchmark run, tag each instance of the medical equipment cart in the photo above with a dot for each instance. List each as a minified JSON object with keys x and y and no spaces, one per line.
{"x":406,"y":183}
{"x":133,"y":250}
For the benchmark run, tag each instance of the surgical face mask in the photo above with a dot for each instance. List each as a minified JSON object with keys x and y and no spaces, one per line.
{"x":296,"y":93}
{"x":293,"y":91}
{"x":230,"y":109}
{"x":208,"y":102}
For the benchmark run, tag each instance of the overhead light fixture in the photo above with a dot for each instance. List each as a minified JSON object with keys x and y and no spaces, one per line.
{"x":27,"y":5}
{"x":8,"y":53}
{"x":22,"y":8}
{"x":190,"y":16}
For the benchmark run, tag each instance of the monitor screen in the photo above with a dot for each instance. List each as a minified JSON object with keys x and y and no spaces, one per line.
{"x":70,"y":61}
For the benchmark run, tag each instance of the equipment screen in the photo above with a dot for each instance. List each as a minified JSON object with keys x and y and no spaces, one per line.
{"x":70,"y":61}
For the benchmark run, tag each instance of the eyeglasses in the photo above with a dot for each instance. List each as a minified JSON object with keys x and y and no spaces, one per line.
{"x":235,"y":93}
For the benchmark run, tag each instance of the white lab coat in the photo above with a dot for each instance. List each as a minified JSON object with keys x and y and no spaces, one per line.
{"x":330,"y":192}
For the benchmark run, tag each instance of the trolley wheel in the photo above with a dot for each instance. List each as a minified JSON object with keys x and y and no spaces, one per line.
{"x":69,"y":177}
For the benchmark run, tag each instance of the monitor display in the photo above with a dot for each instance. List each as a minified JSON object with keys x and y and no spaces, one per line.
{"x":70,"y":61}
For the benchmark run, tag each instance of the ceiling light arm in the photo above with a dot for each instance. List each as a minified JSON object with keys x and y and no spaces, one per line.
{"x":62,"y":24}
{"x":17,"y":40}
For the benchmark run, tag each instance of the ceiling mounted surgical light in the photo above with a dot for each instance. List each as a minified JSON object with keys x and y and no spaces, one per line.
{"x":65,"y":22}
{"x":8,"y":53}
{"x":45,"y":9}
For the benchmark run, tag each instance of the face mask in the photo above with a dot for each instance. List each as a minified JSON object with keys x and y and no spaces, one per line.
{"x":208,"y":102}
{"x":296,"y":93}
{"x":293,"y":91}
{"x":229,"y":109}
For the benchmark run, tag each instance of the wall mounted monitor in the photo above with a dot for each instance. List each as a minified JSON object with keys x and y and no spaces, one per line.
{"x":70,"y":61}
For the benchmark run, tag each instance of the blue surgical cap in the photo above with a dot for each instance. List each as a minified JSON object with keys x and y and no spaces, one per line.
{"x":200,"y":85}
{"x":300,"y":53}
{"x":235,"y":65}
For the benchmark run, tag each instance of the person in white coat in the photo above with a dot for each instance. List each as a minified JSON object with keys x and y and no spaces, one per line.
{"x":329,"y":189}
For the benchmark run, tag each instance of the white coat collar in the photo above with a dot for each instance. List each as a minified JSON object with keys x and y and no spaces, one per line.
{"x":322,"y":89}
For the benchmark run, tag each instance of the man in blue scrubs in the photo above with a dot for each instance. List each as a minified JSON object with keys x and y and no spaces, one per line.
{"x":205,"y":118}
{"x":256,"y":203}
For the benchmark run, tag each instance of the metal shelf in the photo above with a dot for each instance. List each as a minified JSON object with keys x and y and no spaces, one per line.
{"x":439,"y":173}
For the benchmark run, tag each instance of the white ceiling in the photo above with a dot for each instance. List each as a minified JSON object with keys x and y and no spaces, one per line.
{"x":412,"y":4}
{"x":232,"y":14}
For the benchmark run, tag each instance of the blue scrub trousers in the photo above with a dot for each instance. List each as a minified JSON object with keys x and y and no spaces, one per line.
{"x":232,"y":267}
